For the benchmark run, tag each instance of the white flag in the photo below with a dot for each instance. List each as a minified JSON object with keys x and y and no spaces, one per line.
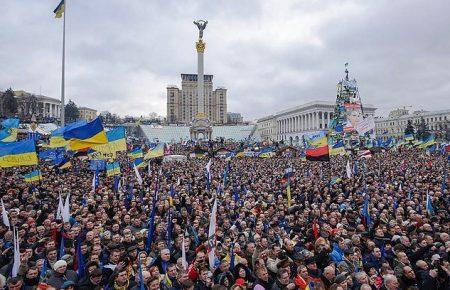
{"x":5,"y":215}
{"x":16,"y":263}
{"x":183,"y":256}
{"x":149,"y":169}
{"x":208,"y":168}
{"x":212,"y":236}
{"x":65,"y":213}
{"x":138,"y":175}
{"x":60,"y":208}
{"x":349,"y":170}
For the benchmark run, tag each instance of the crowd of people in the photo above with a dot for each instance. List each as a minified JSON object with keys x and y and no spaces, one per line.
{"x":375,"y":229}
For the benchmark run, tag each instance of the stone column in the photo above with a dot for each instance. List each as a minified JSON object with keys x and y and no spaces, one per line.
{"x":200,"y":45}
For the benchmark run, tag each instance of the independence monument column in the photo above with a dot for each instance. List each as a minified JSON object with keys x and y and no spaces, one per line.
{"x":201,"y":123}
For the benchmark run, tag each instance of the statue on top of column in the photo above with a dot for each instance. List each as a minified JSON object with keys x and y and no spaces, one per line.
{"x":201,"y":24}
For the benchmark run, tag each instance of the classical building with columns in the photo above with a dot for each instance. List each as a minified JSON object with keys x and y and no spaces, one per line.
{"x":43,"y":107}
{"x":292,"y":123}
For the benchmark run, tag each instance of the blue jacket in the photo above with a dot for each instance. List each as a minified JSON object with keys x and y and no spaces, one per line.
{"x":337,"y":255}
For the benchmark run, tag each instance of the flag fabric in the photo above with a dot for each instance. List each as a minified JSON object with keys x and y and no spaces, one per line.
{"x":141,"y":277}
{"x":87,"y":135}
{"x":61,"y":247}
{"x":171,"y":195}
{"x":138,"y":175}
{"x":112,"y":169}
{"x":151,"y":223}
{"x":65,"y":212}
{"x":79,"y":260}
{"x":348,"y":169}
{"x":43,"y":271}
{"x":33,"y":176}
{"x":136,"y":153}
{"x":266,"y":152}
{"x":5,"y":218}
{"x":156,"y":152}
{"x":9,"y":131}
{"x":337,"y":149}
{"x":366,"y":211}
{"x":365,"y":154}
{"x":409,"y":137}
{"x":208,"y":169}
{"x":116,"y":142}
{"x":429,"y":205}
{"x":139,"y":162}
{"x":184,"y":262}
{"x":59,"y":10}
{"x":427,"y":142}
{"x":16,"y":263}
{"x":212,"y":236}
{"x":21,"y":153}
{"x":60,"y":208}
{"x":95,"y":180}
{"x":288,"y":193}
{"x":65,"y":163}
{"x":317,"y":147}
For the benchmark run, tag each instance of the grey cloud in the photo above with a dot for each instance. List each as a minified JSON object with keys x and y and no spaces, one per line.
{"x":269,"y":54}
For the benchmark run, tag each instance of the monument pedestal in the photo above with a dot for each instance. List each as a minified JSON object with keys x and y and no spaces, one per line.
{"x":200,"y":128}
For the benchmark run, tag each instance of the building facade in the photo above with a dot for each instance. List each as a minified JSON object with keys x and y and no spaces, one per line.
{"x":87,"y":114}
{"x":291,"y":124}
{"x":234,"y":118}
{"x":44,"y":108}
{"x":395,"y":124}
{"x":182,"y":105}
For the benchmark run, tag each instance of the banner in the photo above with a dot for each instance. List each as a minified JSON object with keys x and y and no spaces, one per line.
{"x":365,"y":125}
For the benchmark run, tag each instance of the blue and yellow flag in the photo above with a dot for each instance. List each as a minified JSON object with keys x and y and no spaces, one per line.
{"x":57,"y":140}
{"x":112,"y":169}
{"x":136,"y":153}
{"x":158,"y":151}
{"x":59,"y":10}
{"x":139,"y":162}
{"x":33,"y":176}
{"x":20,"y":153}
{"x":86,"y":136}
{"x":9,"y":132}
{"x":267,"y":152}
{"x":116,"y":142}
{"x":337,"y":149}
{"x":428,"y":142}
{"x":409,"y":137}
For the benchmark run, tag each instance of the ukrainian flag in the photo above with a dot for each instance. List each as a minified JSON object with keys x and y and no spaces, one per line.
{"x":267,"y":152}
{"x":57,"y":140}
{"x":33,"y":176}
{"x":139,"y":162}
{"x":428,"y":142}
{"x":116,"y":139}
{"x":59,"y":10}
{"x":337,"y":149}
{"x":86,"y":136}
{"x":20,"y":153}
{"x":158,"y":151}
{"x":112,"y":169}
{"x":65,"y":163}
{"x":409,"y":137}
{"x":136,"y":153}
{"x":9,"y":133}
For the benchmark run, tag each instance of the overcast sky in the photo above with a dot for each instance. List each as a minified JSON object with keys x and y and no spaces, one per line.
{"x":270,"y":55}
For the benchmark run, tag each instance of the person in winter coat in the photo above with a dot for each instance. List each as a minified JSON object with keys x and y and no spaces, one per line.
{"x":60,"y":275}
{"x":93,"y":281}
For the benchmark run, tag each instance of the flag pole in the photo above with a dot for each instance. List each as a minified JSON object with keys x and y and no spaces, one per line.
{"x":63,"y":66}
